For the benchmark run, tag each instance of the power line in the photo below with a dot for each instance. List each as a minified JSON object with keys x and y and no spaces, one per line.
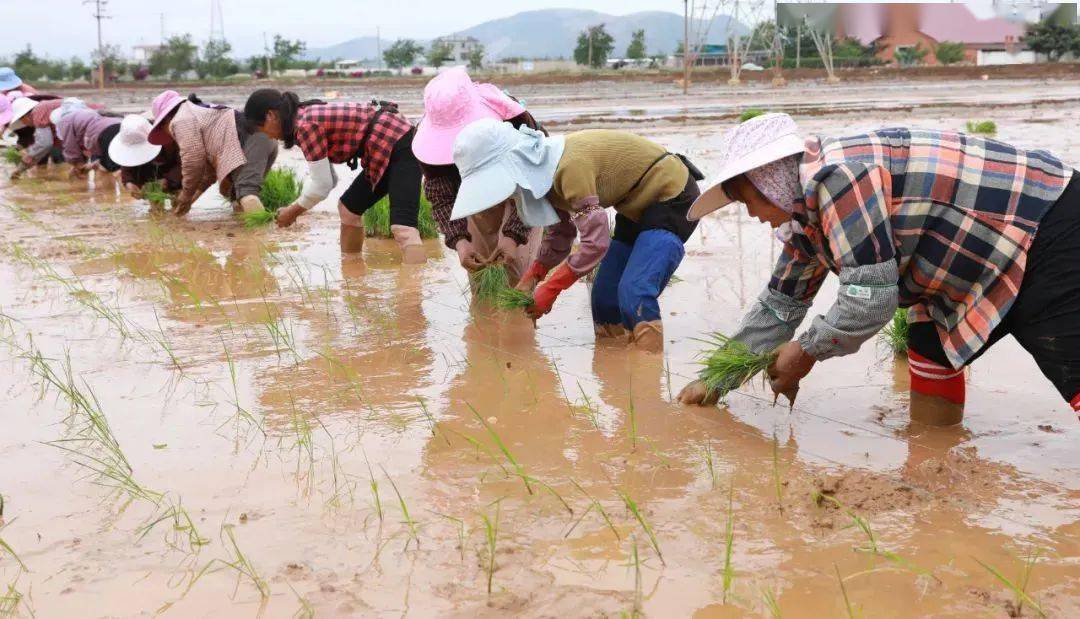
{"x":99,"y":15}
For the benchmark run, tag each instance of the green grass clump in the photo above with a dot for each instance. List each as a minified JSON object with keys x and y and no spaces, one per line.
{"x":751,"y":113}
{"x":895,"y":334}
{"x":154,"y":193}
{"x":377,"y":220}
{"x":12,"y":155}
{"x":512,"y":298}
{"x":731,"y":365}
{"x":489,"y":281}
{"x":985,"y":127}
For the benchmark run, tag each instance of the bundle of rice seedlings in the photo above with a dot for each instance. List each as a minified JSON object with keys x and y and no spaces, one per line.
{"x":489,"y":281}
{"x":750,"y":113}
{"x":12,"y":155}
{"x":281,"y":187}
{"x":154,"y":193}
{"x":512,"y":298}
{"x":731,"y":365}
{"x":985,"y":127}
{"x":895,"y":334}
{"x":377,"y":220}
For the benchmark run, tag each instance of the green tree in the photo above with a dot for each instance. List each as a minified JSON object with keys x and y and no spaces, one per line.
{"x":476,"y":58}
{"x":77,"y":69}
{"x":1053,"y":40}
{"x":594,"y":46}
{"x":439,"y":53}
{"x":763,"y":36}
{"x":175,"y":58}
{"x":112,"y":58}
{"x":949,"y":52}
{"x":402,"y":53}
{"x":285,"y":52}
{"x":636,"y":49}
{"x":910,"y":56}
{"x":215,"y":61}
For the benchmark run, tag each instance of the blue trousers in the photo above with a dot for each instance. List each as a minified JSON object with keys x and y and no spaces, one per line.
{"x":631,"y":278}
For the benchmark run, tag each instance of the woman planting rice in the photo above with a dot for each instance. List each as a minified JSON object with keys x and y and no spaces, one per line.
{"x":566,"y":184}
{"x":375,"y":137}
{"x":452,"y":101}
{"x":85,"y":135}
{"x":213,"y":144}
{"x":141,"y":162}
{"x":31,"y":123}
{"x":976,"y":237}
{"x":12,"y":83}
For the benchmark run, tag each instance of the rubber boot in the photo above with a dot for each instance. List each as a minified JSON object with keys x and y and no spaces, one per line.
{"x":412,"y":247}
{"x":609,"y":331}
{"x":648,"y":336}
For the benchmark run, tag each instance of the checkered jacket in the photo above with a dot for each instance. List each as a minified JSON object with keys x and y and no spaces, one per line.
{"x":956,"y":214}
{"x":335,"y":131}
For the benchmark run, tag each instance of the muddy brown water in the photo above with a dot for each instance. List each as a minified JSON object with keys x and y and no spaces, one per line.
{"x":266,"y":391}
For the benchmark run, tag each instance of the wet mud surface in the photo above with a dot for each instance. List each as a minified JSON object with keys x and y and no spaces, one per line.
{"x":205,"y":420}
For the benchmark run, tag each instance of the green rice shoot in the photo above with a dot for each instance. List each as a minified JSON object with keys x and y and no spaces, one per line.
{"x":731,"y":365}
{"x":895,"y":334}
{"x":749,"y":113}
{"x":281,"y":187}
{"x":984,"y":127}
{"x":154,"y":193}
{"x":489,"y":281}
{"x":512,"y":298}
{"x":377,"y":220}
{"x":12,"y":155}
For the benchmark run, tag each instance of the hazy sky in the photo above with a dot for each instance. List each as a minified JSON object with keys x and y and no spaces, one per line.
{"x":61,"y":28}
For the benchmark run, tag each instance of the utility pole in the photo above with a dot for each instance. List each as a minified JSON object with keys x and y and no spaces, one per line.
{"x":162,"y":29}
{"x":590,"y":46}
{"x":378,"y":46}
{"x":686,"y":47}
{"x":266,"y":49}
{"x":99,"y":14}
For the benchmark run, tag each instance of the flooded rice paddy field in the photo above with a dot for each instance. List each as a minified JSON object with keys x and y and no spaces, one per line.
{"x":204,"y":420}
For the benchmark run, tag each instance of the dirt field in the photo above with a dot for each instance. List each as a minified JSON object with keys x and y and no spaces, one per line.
{"x":203,"y":420}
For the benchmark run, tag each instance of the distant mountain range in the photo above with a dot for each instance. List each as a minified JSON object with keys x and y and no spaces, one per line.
{"x":550,"y":33}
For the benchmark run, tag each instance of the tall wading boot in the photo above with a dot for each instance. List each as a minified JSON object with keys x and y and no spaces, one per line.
{"x":937,"y":392}
{"x":609,"y":331}
{"x":648,"y":336}
{"x":412,"y":247}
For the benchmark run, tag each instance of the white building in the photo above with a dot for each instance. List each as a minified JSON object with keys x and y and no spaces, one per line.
{"x":141,"y":54}
{"x":460,"y":47}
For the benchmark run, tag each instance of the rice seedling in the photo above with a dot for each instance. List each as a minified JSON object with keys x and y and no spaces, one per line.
{"x":491,"y":538}
{"x":598,"y":507}
{"x":377,"y":220}
{"x":1019,"y":589}
{"x":631,"y":427}
{"x":768,"y":596}
{"x":590,"y":408}
{"x":843,"y":591}
{"x":281,"y":187}
{"x":238,"y":562}
{"x":342,"y":487}
{"x":431,"y":420}
{"x":12,"y":155}
{"x":461,"y":531}
{"x":304,"y":445}
{"x":635,"y":559}
{"x":710,"y":466}
{"x":749,"y":113}
{"x":778,"y":486}
{"x":165,"y":344}
{"x":409,"y":522}
{"x":520,"y":470}
{"x":728,"y":578}
{"x":6,"y":548}
{"x":895,"y":334}
{"x":984,"y":127}
{"x":306,"y":610}
{"x":154,"y":193}
{"x":731,"y":364}
{"x":489,"y":282}
{"x":184,"y":536}
{"x":13,"y":600}
{"x":872,"y":546}
{"x":511,"y":298}
{"x":640,"y":517}
{"x":373,"y":485}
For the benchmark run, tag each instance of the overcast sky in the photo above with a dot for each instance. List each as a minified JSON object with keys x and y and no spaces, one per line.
{"x":62,"y":28}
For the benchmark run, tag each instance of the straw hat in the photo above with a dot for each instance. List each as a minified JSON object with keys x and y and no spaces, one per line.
{"x":162,"y":106}
{"x":68,"y":106}
{"x":8,"y":79}
{"x":749,"y":145}
{"x":20,"y":108}
{"x":452,"y":101}
{"x":131,"y":147}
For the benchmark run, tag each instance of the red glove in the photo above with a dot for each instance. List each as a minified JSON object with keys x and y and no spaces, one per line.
{"x":545,"y":294}
{"x":537,"y":271}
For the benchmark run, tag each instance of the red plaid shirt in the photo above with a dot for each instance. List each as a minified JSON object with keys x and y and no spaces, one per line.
{"x":335,"y":130}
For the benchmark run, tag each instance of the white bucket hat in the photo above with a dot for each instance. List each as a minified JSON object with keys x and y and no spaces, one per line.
{"x":752,"y":144}
{"x":19,"y":109}
{"x":497,"y":161}
{"x":68,"y":106}
{"x":131,"y":147}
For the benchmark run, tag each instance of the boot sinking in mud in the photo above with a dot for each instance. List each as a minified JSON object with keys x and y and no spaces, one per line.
{"x":608,"y":332}
{"x":648,"y":336}
{"x":412,"y":247}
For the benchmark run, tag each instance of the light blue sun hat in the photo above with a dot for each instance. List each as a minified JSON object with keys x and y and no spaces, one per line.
{"x":8,"y":79}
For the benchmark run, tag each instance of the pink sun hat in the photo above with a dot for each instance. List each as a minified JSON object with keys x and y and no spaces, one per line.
{"x":5,"y":112}
{"x":452,"y":101}
{"x":162,"y":106}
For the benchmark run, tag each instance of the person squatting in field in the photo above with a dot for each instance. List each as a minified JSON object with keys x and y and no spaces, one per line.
{"x":977,"y":238}
{"x":35,"y":133}
{"x":566,"y":184}
{"x":451,"y":102}
{"x":142,"y":162}
{"x":213,"y":143}
{"x":84,"y":136}
{"x":373,"y":136}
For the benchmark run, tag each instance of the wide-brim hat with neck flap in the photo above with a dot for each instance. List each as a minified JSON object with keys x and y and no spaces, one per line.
{"x":131,"y":147}
{"x":744,"y":147}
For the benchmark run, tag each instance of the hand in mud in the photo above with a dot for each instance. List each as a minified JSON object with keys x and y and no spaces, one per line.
{"x":287,"y":216}
{"x":17,"y":174}
{"x":467,"y":256}
{"x":695,"y":394}
{"x":77,"y":172}
{"x":134,"y":190}
{"x":181,"y":208}
{"x":791,"y":366}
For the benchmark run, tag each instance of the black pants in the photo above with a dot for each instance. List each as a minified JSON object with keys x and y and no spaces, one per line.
{"x":401,"y":182}
{"x":1045,"y":318}
{"x":669,"y":215}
